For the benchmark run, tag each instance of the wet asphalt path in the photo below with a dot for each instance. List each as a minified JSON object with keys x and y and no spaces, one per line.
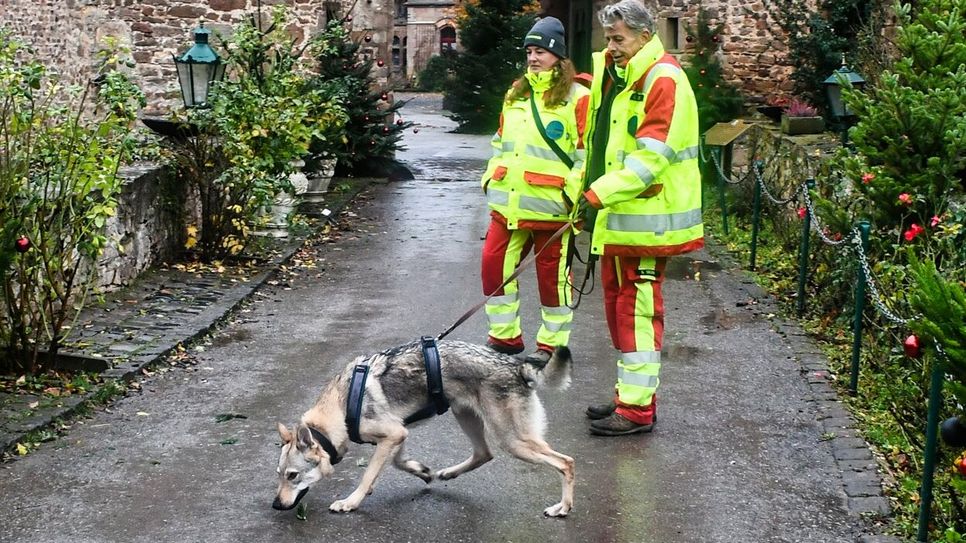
{"x":737,"y":455}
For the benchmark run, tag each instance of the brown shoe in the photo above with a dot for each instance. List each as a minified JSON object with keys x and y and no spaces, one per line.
{"x":616,"y":425}
{"x":600,"y":411}
{"x":538,"y":358}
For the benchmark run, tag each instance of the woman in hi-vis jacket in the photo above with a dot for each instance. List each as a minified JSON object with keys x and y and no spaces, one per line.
{"x":532,"y":183}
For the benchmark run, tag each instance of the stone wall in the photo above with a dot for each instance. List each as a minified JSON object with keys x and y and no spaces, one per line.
{"x":69,"y":32}
{"x":149,"y":225}
{"x":752,"y":49}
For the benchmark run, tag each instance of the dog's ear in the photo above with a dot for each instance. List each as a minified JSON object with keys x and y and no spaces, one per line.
{"x":284,"y":433}
{"x":305,"y":440}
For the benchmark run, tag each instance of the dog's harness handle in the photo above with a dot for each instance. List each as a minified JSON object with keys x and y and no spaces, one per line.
{"x":353,"y":408}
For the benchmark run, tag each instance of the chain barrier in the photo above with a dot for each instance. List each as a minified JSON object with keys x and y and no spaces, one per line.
{"x":774,"y":200}
{"x":854,"y":238}
{"x":815,"y":222}
{"x":870,"y":281}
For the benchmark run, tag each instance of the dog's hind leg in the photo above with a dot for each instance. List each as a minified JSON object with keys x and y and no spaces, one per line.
{"x":537,"y":451}
{"x":411,"y":466}
{"x":472,"y":426}
{"x":393,"y":437}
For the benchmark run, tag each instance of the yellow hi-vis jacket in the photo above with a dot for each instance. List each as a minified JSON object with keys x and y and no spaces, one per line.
{"x":525,"y":182}
{"x":650,"y":186}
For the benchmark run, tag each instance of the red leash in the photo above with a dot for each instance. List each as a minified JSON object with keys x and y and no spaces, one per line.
{"x":516,"y":273}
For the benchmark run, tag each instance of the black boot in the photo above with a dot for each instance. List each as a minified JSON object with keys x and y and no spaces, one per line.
{"x":617,"y":425}
{"x":601,"y":411}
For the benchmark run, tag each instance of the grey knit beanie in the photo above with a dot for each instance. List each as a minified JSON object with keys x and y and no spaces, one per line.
{"x":548,"y":33}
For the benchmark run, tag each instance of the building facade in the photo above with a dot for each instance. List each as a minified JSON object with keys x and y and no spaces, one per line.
{"x":404,"y":34}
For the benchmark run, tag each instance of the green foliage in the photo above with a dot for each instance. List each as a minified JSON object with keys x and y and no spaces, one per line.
{"x":818,"y":38}
{"x":910,"y":172}
{"x":491,"y":33}
{"x":718,"y":100}
{"x":261,"y":122}
{"x":371,"y":131}
{"x":434,"y":76}
{"x":58,"y":187}
{"x":941,"y":306}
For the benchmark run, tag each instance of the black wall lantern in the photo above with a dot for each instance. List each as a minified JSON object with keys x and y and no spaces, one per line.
{"x":197,"y":68}
{"x":833,"y":89}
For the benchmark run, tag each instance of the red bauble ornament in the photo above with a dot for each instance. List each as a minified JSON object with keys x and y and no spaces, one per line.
{"x":912,"y":347}
{"x":399,"y":122}
{"x":689,"y":39}
{"x":22,"y":245}
{"x":415,"y":131}
{"x":368,"y":37}
{"x":365,"y":118}
{"x":385,"y":130}
{"x":702,"y":72}
{"x":380,"y":63}
{"x":372,"y":143}
{"x":715,"y":38}
{"x":384,"y":96}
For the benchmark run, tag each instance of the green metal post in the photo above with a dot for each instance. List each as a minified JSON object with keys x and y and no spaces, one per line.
{"x":860,"y":280}
{"x":929,"y":464}
{"x":755,"y":214}
{"x":803,"y":254}
{"x":722,"y":201}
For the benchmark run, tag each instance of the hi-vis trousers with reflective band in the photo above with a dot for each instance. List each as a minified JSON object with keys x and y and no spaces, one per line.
{"x":634,"y":308}
{"x":502,"y":252}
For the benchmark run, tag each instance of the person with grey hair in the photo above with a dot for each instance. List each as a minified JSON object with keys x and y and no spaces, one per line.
{"x":641,"y":200}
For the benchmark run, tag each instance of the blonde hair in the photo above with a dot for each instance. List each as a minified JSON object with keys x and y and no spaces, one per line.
{"x":563,"y":78}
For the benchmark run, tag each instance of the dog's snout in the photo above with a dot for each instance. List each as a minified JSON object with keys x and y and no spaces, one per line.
{"x":277,"y":504}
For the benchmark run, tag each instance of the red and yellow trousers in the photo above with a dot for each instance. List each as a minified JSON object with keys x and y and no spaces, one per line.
{"x":634,"y":308}
{"x":502,"y":252}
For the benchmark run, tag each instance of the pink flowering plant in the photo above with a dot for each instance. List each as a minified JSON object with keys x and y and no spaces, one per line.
{"x":798,"y":108}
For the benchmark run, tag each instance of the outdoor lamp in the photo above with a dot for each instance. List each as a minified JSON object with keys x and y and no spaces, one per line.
{"x":833,"y":90}
{"x":197,"y":68}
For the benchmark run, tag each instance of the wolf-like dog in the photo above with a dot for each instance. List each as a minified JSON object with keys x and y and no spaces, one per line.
{"x":488,"y":392}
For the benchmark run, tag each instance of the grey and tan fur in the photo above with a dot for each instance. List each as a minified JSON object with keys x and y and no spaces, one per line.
{"x":490,"y":394}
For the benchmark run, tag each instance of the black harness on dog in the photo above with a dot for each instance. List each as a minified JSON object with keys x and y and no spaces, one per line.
{"x":327,"y":446}
{"x":437,"y":405}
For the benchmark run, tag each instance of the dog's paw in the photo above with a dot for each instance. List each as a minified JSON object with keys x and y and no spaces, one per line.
{"x":343,"y":506}
{"x":425,"y":474}
{"x":558,"y":510}
{"x":446,"y":474}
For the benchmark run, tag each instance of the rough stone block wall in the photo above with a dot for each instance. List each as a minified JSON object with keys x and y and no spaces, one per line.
{"x":149,"y":225}
{"x":69,"y":32}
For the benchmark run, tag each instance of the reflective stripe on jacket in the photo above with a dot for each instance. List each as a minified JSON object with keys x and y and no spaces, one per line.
{"x":525,"y":181}
{"x":650,"y":186}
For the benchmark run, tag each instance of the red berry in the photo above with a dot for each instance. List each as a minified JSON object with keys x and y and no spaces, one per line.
{"x":912,"y":347}
{"x":368,"y":37}
{"x":384,"y":96}
{"x":961,"y":465}
{"x":415,"y":131}
{"x":399,"y":122}
{"x":22,"y":244}
{"x":380,"y":63}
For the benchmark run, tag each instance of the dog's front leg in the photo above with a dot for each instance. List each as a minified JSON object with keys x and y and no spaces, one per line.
{"x":385,"y":449}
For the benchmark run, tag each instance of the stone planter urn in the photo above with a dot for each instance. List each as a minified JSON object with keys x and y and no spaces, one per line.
{"x":277,"y":213}
{"x":318,"y":182}
{"x":802,"y":125}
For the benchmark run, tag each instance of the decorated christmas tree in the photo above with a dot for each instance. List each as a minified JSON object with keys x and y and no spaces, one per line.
{"x":718,"y":100}
{"x":374,"y":127}
{"x":492,"y":56}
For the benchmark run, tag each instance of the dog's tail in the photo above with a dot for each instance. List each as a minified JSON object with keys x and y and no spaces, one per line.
{"x":555,"y":374}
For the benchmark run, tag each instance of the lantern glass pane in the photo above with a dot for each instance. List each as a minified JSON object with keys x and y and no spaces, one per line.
{"x":185,"y":80}
{"x":835,"y":100}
